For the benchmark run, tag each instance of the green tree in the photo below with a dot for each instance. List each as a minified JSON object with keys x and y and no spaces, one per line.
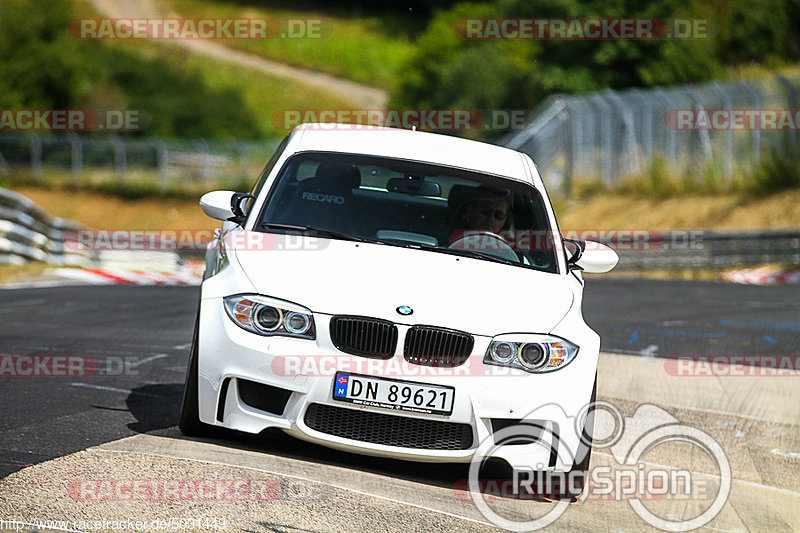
{"x":40,"y":65}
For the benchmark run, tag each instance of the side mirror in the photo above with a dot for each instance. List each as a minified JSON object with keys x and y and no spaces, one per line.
{"x":592,"y":257}
{"x":224,"y":205}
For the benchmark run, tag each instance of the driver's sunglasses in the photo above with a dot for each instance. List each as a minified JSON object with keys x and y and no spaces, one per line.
{"x":487,"y":212}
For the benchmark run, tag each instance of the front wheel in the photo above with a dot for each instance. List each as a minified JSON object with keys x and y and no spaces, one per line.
{"x":580,"y":469}
{"x":190,"y":423}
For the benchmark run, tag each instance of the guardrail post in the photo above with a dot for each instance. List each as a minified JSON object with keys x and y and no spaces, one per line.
{"x":568,"y":123}
{"x":162,"y":158}
{"x":36,"y":158}
{"x":606,"y":154}
{"x":792,"y":105}
{"x":728,"y":162}
{"x":120,"y":158}
{"x":77,"y":156}
{"x":626,"y":158}
{"x":5,"y":168}
{"x":646,"y":112}
{"x":241,"y":149}
{"x":757,"y":131}
{"x":702,"y":137}
{"x":205,"y":159}
{"x":671,"y":133}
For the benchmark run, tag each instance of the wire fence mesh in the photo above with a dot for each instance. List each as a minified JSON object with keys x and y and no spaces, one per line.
{"x":612,"y":135}
{"x":607,"y":136}
{"x":86,"y":158}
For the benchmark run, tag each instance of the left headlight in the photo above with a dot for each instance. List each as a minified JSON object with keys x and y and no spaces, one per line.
{"x":532,"y":353}
{"x":269,"y":316}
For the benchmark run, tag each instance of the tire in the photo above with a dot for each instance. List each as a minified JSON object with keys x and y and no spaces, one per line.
{"x":190,"y":423}
{"x":580,"y":470}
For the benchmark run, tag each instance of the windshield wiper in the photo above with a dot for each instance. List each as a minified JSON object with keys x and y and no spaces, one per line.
{"x":469,"y":253}
{"x":319,"y":231}
{"x":391,"y":242}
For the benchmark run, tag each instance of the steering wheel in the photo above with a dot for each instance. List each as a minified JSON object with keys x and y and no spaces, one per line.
{"x":486,"y":242}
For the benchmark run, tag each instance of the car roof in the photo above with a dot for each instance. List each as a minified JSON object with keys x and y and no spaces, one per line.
{"x":412,"y":145}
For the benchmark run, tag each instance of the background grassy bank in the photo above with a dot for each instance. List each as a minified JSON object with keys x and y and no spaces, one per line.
{"x":607,"y":211}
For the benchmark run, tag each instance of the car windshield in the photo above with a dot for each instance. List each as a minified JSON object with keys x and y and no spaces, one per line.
{"x":411,"y":204}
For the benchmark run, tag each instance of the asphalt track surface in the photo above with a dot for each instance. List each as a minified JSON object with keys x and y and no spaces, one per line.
{"x":121,"y":424}
{"x":149,"y":329}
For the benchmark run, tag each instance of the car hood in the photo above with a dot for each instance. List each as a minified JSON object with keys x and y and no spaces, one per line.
{"x":350,"y":278}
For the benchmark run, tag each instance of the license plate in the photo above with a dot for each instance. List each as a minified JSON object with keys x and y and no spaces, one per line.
{"x":393,"y":394}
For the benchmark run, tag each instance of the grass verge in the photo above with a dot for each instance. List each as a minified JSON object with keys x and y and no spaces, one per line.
{"x":19,"y":273}
{"x":261,"y":94}
{"x":368,"y":49}
{"x":102,"y":210}
{"x":629,"y":210}
{"x":96,"y":210}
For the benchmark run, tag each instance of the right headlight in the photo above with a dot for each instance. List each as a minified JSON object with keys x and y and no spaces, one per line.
{"x":270,"y":316}
{"x":533,"y":353}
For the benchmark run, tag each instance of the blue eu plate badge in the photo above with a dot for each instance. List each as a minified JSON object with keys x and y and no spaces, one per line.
{"x":340,"y":388}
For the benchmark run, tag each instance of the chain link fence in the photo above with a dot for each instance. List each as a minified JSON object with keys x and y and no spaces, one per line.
{"x":88,"y":158}
{"x":607,"y":136}
{"x":612,"y":135}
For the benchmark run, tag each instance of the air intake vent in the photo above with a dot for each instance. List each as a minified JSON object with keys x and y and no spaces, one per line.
{"x":367,"y":337}
{"x":431,"y":346}
{"x":264,"y":397}
{"x":389,"y":430}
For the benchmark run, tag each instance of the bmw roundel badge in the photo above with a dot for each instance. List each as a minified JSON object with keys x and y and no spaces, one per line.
{"x":405,"y":310}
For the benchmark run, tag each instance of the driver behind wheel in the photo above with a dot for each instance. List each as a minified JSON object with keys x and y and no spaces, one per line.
{"x":487,"y":210}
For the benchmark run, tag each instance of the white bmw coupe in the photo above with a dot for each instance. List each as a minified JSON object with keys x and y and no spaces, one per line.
{"x":399,"y":294}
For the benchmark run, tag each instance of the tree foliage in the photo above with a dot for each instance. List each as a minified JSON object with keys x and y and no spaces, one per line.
{"x":450,"y":72}
{"x":42,"y":67}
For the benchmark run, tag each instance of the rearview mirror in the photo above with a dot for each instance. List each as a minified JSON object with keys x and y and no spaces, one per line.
{"x":414,"y":186}
{"x":591,"y":256}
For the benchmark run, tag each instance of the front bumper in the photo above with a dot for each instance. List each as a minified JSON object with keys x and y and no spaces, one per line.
{"x":486,"y":397}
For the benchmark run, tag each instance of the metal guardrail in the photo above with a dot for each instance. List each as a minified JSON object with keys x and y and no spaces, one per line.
{"x":28,"y":234}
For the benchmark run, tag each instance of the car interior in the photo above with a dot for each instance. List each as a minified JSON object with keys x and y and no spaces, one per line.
{"x":403,"y":202}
